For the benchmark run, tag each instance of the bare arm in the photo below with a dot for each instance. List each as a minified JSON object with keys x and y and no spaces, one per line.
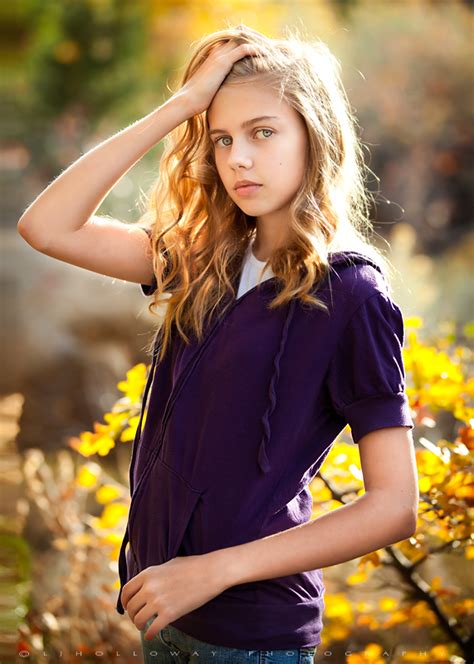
{"x":61,"y":222}
{"x":386,"y":513}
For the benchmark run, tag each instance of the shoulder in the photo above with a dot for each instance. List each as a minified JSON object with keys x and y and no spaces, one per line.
{"x":355,"y":277}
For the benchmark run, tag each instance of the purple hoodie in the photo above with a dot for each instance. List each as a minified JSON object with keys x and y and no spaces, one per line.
{"x":238,"y":427}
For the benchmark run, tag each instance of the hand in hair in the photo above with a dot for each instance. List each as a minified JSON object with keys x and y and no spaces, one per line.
{"x":201,"y":88}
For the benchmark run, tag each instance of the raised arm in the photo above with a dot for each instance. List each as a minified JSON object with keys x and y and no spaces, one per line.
{"x":61,"y":222}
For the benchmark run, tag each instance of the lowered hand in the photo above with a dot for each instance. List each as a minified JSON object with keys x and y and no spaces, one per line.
{"x":171,"y":590}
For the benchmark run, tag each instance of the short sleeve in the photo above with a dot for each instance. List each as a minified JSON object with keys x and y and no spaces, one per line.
{"x":366,"y":378}
{"x":148,"y":289}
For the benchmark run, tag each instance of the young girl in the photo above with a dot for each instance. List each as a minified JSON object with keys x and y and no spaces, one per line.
{"x":279,"y":330}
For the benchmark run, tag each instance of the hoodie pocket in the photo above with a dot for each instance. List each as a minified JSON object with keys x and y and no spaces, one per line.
{"x":159,"y":514}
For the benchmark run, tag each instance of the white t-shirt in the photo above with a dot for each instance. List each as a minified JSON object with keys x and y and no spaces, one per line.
{"x":251,"y":269}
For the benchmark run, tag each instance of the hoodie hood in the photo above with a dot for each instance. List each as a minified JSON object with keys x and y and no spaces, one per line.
{"x":337,"y":259}
{"x":352,"y":257}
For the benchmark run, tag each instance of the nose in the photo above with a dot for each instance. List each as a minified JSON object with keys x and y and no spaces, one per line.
{"x":239,"y":155}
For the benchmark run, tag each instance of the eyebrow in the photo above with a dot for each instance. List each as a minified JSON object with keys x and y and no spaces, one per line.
{"x":247,"y":123}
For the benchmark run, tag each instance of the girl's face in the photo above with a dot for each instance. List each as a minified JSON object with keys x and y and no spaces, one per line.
{"x":270,"y":152}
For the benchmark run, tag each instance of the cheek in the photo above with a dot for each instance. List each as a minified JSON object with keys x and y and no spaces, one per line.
{"x":288,"y":155}
{"x":296,"y":162}
{"x":220,"y":171}
{"x":288,"y":168}
{"x":222,"y":168}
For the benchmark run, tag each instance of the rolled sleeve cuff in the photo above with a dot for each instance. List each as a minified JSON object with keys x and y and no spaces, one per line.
{"x":378,"y":412}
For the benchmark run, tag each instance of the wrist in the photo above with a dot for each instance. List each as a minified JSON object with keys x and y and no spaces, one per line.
{"x":226,"y":567}
{"x":183,"y":105}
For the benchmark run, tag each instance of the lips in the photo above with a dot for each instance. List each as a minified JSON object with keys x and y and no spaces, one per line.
{"x":245,"y":183}
{"x":248,"y":190}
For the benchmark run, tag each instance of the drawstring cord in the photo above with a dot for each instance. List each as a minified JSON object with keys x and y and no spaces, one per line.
{"x":262,"y":456}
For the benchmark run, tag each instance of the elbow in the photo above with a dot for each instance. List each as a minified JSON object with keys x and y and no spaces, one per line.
{"x":399,"y":516}
{"x":25,"y":228}
{"x":408,"y":514}
{"x":400,"y":521}
{"x":412,"y":514}
{"x":411,"y":526}
{"x":408,"y":523}
{"x":398,"y":528}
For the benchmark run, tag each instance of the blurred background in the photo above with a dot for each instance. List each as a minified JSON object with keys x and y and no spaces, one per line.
{"x":74,"y":73}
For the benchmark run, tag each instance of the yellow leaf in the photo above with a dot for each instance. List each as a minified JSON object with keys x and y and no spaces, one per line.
{"x":465,"y":492}
{"x":364,"y":607}
{"x":413,"y":321}
{"x":107,"y":493}
{"x":115,"y":420}
{"x":436,"y":583}
{"x":424,"y":484}
{"x":373,"y":649}
{"x":86,"y":478}
{"x":440,"y":652}
{"x":388,"y":603}
{"x":356,"y":578}
{"x":397,"y":617}
{"x":129,"y":433}
{"x":134,"y":383}
{"x":112,"y":538}
{"x":337,"y":606}
{"x":111,"y":516}
{"x":369,"y":560}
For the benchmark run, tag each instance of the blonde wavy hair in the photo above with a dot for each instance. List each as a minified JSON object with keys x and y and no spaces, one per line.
{"x":198,"y":233}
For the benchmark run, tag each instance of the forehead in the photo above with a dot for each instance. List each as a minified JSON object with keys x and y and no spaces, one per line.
{"x":236,"y":103}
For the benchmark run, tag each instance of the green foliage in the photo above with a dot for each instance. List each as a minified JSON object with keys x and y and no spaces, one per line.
{"x":83,"y":54}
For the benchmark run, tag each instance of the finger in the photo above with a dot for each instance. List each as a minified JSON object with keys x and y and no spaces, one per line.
{"x":250,"y":49}
{"x":221,"y":46}
{"x":143,"y":616}
{"x":233,"y":45}
{"x":130,"y":589}
{"x":133,"y":609}
{"x":154,"y":628}
{"x":135,"y":605}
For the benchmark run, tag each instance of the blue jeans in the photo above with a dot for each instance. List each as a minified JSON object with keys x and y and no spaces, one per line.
{"x":171,"y":645}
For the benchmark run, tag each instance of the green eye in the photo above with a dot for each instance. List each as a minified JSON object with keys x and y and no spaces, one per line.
{"x":256,"y":132}
{"x":219,"y":139}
